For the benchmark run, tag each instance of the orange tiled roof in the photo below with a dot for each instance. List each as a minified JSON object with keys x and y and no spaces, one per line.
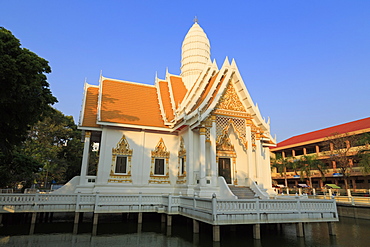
{"x":178,"y":88}
{"x":91,"y":105}
{"x":130,"y":103}
{"x":166,"y":100}
{"x":358,"y":125}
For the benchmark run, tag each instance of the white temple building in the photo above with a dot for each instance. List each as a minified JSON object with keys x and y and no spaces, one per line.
{"x":197,"y":133}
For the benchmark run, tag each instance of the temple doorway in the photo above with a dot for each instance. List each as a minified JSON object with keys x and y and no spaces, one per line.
{"x":224,"y":169}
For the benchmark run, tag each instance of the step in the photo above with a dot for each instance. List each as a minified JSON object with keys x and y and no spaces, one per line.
{"x":242,"y":192}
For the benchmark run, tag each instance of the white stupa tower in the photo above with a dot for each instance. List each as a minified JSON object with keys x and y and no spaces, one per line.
{"x":196,"y":52}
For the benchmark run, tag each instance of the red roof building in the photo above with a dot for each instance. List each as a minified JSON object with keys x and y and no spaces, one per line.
{"x":318,"y":143}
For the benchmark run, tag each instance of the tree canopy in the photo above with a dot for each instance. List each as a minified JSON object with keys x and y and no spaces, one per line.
{"x":25,"y":96}
{"x":51,"y":151}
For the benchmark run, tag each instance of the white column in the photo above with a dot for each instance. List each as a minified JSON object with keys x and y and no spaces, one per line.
{"x":250,"y":159}
{"x":103,"y":171}
{"x":85,"y":158}
{"x":258,"y":159}
{"x":214,"y":168}
{"x":202,"y":155}
{"x":190,"y":157}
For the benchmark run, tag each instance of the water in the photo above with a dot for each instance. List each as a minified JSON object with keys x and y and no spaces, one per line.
{"x":350,"y":232}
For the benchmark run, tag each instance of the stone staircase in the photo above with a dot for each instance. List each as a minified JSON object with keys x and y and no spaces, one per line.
{"x":242,"y":192}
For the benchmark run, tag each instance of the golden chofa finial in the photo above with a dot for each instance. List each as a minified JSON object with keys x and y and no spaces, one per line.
{"x":195,"y":19}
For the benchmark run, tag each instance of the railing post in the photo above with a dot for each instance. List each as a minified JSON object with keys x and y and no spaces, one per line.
{"x":169,"y":206}
{"x":298,"y":205}
{"x":77,"y":214}
{"x":140,"y":200}
{"x":96,"y":201}
{"x":194,"y":201}
{"x":78,"y":202}
{"x":214,"y":207}
{"x":35,"y":202}
{"x":258,"y":208}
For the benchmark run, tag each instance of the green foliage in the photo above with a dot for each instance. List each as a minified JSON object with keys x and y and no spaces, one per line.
{"x":25,"y":96}
{"x":55,"y":142}
{"x":307,"y":163}
{"x":363,"y":155}
{"x":17,"y":168}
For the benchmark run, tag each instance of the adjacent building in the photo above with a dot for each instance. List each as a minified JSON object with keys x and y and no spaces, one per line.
{"x":316,"y":143}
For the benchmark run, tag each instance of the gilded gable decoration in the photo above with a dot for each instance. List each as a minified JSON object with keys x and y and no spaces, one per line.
{"x":230,"y":104}
{"x":181,"y":174}
{"x":224,"y":144}
{"x":182,"y":151}
{"x":239,"y":124}
{"x":159,"y":171}
{"x":161,"y":150}
{"x":230,"y":100}
{"x":121,"y":162}
{"x":122,"y":148}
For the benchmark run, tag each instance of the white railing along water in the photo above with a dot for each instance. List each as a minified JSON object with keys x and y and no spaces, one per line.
{"x":212,"y":211}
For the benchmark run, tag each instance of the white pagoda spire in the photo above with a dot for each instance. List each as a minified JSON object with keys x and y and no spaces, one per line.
{"x":196,"y":51}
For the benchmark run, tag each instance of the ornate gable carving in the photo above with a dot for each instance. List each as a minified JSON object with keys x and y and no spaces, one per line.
{"x":160,"y":150}
{"x":181,"y":174}
{"x":182,"y":150}
{"x":224,"y":143}
{"x":230,"y":100}
{"x":122,"y":148}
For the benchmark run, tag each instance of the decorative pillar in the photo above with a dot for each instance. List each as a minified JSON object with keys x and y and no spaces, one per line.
{"x":190,"y":158}
{"x":202,"y":153}
{"x":250,"y":152}
{"x":213,"y":154}
{"x":85,"y":158}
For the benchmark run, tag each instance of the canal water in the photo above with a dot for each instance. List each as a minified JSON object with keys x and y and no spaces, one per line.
{"x":153,"y":233}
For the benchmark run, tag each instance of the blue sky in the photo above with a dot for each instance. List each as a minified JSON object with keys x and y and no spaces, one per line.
{"x":306,"y":63}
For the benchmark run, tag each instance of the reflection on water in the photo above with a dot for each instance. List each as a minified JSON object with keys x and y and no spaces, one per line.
{"x":350,"y":232}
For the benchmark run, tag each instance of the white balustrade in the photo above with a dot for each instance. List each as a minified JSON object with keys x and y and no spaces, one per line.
{"x":213,"y":211}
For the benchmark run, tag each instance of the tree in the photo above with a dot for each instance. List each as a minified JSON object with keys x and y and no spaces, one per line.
{"x":55,"y":143}
{"x":341,"y":150}
{"x":309,"y":163}
{"x":25,"y":97}
{"x":18,"y":168}
{"x":363,"y":156}
{"x":282,"y":164}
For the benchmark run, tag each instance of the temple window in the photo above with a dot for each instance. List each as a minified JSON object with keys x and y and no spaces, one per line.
{"x":159,"y":171}
{"x":159,"y":167}
{"x":181,"y":175}
{"x":121,"y":162}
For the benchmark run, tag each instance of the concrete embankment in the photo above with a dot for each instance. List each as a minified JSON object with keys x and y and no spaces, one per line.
{"x":354,"y":211}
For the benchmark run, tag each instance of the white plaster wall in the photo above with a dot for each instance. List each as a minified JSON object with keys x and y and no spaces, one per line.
{"x":142,"y":143}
